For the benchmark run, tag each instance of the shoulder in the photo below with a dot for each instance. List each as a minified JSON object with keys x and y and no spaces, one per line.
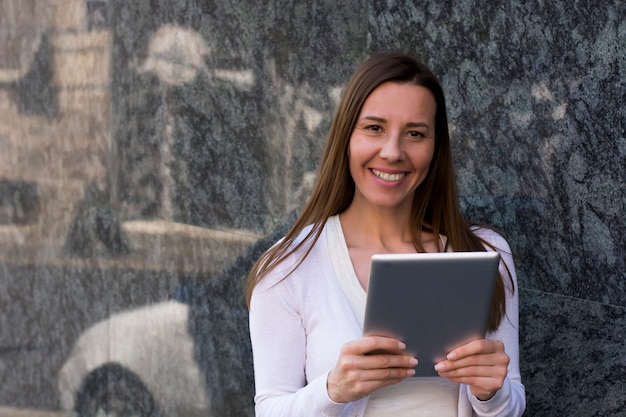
{"x":299,"y":256}
{"x":493,"y":238}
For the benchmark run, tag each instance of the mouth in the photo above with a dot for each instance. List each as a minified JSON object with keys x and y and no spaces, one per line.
{"x":388,"y":177}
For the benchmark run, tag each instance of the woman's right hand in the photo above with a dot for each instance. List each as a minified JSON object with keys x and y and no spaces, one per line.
{"x":367,"y":364}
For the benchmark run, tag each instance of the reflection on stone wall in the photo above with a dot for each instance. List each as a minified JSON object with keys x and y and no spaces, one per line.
{"x":148,"y":149}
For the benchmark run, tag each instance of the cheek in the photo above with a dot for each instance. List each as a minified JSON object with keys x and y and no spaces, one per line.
{"x":353,"y":165}
{"x":354,"y":154}
{"x":424,"y":157}
{"x":360,"y":150}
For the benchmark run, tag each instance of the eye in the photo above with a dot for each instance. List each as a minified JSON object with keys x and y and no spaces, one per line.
{"x":373,"y":128}
{"x":416,"y":134}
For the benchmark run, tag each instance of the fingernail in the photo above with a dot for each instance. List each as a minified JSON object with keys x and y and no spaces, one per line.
{"x":452,"y":356}
{"x":439,"y":367}
{"x":412,"y":361}
{"x":401,"y":345}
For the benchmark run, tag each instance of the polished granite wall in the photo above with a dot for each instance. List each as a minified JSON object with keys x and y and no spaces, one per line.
{"x":150,"y":150}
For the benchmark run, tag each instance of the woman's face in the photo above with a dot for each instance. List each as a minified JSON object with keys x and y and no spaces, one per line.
{"x":392,"y":145}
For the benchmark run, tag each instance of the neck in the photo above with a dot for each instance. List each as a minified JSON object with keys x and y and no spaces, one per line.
{"x":379,"y":229}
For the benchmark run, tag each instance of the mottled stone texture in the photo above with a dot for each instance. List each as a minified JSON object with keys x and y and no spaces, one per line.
{"x":128,"y":125}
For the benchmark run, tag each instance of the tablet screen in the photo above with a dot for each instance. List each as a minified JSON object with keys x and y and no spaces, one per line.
{"x":433,"y":302}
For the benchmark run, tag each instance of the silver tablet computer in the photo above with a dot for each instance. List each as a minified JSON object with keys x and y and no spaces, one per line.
{"x":433,"y":302}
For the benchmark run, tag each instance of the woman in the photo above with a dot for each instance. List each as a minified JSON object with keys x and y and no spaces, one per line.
{"x":386,"y":184}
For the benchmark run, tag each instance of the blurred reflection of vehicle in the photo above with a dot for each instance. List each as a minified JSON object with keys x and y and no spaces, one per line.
{"x":189,"y":356}
{"x":136,"y":363}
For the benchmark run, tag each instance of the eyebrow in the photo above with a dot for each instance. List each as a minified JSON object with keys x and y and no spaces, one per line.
{"x":410,"y":124}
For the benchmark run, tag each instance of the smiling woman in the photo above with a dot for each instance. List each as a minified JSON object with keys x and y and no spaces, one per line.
{"x":391,"y":148}
{"x":386,"y":184}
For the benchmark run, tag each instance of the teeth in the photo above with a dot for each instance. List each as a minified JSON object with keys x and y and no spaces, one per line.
{"x":388,"y":177}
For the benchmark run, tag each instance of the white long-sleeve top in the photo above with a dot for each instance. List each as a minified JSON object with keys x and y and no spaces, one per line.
{"x":298,"y":325}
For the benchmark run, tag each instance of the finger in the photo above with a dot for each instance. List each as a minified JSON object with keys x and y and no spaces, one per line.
{"x":376,"y":344}
{"x":499,"y":359}
{"x":373,"y":345}
{"x":483,"y":380}
{"x":376,"y":361}
{"x":475,"y":347}
{"x":389,"y":361}
{"x":383,"y":375}
{"x":474,"y":367}
{"x":474,"y":372}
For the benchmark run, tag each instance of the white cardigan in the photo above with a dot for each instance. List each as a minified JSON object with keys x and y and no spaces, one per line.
{"x":299,"y":323}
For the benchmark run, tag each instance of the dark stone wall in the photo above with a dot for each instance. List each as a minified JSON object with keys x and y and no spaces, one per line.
{"x":219,"y":114}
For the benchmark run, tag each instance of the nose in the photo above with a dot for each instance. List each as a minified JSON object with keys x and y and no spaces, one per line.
{"x":391,"y":149}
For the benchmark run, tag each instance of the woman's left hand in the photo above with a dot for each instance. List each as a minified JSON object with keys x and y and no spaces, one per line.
{"x":481,"y":364}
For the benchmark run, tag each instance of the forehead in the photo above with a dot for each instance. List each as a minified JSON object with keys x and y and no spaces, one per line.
{"x":400,"y":100}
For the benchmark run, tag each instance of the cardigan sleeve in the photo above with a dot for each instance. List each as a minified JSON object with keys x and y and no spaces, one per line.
{"x":510,"y":400}
{"x":278,"y":342}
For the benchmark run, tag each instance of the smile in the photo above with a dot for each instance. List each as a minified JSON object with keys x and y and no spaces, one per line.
{"x":388,"y":177}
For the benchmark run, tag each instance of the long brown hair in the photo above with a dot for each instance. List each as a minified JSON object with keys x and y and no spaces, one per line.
{"x":435,"y":204}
